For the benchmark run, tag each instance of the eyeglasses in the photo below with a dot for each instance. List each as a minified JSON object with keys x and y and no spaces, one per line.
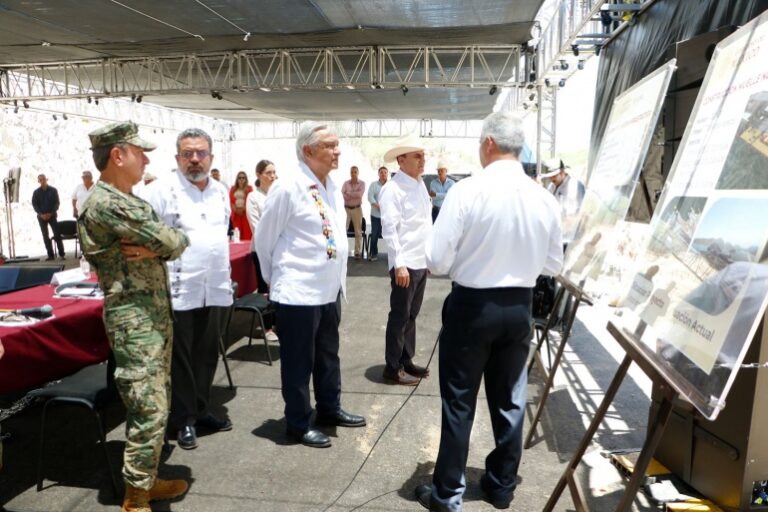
{"x":202,"y":154}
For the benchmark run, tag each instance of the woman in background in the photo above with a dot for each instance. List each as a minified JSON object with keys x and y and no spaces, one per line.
{"x":265,"y":176}
{"x":237,"y":197}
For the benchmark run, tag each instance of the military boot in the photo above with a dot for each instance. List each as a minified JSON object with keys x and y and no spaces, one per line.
{"x":136,"y":500}
{"x":167,"y":489}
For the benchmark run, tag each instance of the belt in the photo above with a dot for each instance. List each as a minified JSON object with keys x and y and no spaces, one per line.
{"x":351,"y":207}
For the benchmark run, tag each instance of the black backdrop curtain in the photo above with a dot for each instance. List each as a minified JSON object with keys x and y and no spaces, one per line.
{"x":642,"y":48}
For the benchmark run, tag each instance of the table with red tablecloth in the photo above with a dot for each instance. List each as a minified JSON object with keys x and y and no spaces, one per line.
{"x":74,"y":337}
{"x":243,"y":271}
{"x":52,"y":348}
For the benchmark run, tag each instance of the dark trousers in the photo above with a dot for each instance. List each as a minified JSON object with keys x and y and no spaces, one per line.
{"x":261,"y":287}
{"x":435,"y":213}
{"x":56,"y":236}
{"x":196,"y":335}
{"x":404,"y":307}
{"x":373,"y":250}
{"x":486,"y":332}
{"x":309,"y":345}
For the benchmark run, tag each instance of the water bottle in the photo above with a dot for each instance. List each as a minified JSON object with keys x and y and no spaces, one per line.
{"x":85,"y":267}
{"x":236,"y":235}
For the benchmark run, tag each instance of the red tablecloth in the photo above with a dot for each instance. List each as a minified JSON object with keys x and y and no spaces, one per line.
{"x":243,"y":270}
{"x":53,"y":348}
{"x":75,"y":336}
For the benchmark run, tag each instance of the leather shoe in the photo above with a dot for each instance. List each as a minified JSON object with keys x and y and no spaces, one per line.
{"x":416,"y":371}
{"x":491,"y":497}
{"x":187,"y":438}
{"x":340,"y":419}
{"x":424,"y":497}
{"x":399,"y":377}
{"x":312,"y":438}
{"x":211,"y":422}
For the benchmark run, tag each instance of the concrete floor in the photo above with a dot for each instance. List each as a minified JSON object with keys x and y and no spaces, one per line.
{"x":254,"y":467}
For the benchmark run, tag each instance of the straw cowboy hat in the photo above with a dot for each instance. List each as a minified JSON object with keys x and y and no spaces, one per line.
{"x":553,"y":167}
{"x":403,"y":145}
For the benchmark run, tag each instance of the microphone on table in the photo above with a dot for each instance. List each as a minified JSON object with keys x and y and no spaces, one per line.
{"x":38,"y":312}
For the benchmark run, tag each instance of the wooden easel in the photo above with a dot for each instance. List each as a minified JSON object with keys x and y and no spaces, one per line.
{"x":570,"y":316}
{"x":653,"y":436}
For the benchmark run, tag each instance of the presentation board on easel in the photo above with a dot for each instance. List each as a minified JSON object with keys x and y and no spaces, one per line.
{"x":598,"y":239}
{"x":701,"y":285}
{"x":701,"y":280}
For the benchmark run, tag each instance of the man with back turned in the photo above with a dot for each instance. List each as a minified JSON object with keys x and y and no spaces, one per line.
{"x":496,"y":232}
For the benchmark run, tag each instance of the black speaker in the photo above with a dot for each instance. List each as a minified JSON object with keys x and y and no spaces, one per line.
{"x":11,"y":185}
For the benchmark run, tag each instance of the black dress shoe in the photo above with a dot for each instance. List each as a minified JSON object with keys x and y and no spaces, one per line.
{"x":416,"y":371}
{"x":311,"y":438}
{"x":211,"y":422}
{"x":491,"y":497}
{"x":187,"y":438}
{"x":340,"y":419}
{"x":424,"y":496}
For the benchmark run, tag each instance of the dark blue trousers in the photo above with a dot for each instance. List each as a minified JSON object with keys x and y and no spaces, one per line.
{"x":309,"y":346}
{"x":486,"y":333}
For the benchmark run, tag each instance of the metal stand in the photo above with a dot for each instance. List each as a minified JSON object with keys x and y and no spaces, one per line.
{"x":655,"y":429}
{"x":567,"y":289}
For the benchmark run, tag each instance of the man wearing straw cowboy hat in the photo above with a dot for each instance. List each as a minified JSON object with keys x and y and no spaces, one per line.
{"x":405,"y":222}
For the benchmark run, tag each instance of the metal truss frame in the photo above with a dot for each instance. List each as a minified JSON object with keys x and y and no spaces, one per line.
{"x":363,"y":128}
{"x":265,"y":70}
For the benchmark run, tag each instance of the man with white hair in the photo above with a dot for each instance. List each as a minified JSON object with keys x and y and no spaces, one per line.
{"x":497,"y":231}
{"x":81,"y":193}
{"x":405,"y":224}
{"x":439,"y":188}
{"x":301,"y":242}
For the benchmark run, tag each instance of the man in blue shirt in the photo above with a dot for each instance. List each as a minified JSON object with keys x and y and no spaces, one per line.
{"x":439,"y":188}
{"x":45,"y":201}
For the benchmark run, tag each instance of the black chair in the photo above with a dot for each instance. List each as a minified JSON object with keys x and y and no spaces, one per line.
{"x":68,"y":231}
{"x":8,"y":277}
{"x":17,"y":277}
{"x":351,"y":234}
{"x":225,"y":335}
{"x":370,"y":241}
{"x":92,"y":387}
{"x":259,"y":306}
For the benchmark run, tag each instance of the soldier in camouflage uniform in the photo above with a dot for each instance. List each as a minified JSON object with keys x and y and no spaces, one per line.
{"x":127,"y":245}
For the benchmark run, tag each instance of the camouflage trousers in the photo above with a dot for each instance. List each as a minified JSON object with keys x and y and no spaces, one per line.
{"x":142,"y":343}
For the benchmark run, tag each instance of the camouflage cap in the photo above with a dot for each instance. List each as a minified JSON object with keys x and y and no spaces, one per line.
{"x":126,"y":132}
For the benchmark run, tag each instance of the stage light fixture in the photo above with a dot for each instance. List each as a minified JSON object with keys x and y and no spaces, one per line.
{"x":265,"y":89}
{"x":64,"y":116}
{"x":55,"y":118}
{"x":133,"y":97}
{"x":139,"y":98}
{"x":89,"y":99}
{"x":493,"y":90}
{"x":575,"y":50}
{"x":580,"y":64}
{"x":16,"y":109}
{"x":563,"y":65}
{"x":547,"y":82}
{"x":25,"y":103}
{"x":96,"y":100}
{"x":597,"y":50}
{"x":561,"y":83}
{"x":404,"y":89}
